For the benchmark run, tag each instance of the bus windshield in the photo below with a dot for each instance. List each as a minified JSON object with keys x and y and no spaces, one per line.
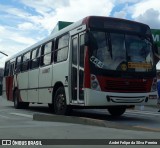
{"x":122,"y":52}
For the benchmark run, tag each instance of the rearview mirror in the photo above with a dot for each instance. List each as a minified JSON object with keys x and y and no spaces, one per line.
{"x":156,"y":48}
{"x":156,"y":53}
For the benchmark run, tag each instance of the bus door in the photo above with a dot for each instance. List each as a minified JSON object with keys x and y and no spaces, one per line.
{"x":77,"y":68}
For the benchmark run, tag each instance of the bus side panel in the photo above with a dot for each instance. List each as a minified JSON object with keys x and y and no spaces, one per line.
{"x":45,"y":79}
{"x":60,"y":74}
{"x":33,"y":85}
{"x":4,"y":95}
{"x":22,"y":79}
{"x":7,"y":88}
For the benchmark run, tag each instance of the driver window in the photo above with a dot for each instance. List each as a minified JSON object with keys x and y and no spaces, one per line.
{"x":102,"y":52}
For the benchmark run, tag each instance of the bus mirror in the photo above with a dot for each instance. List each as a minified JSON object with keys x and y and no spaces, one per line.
{"x":156,"y":53}
{"x":156,"y":48}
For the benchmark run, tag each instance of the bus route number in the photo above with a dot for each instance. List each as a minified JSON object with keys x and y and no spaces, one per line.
{"x":96,"y":61}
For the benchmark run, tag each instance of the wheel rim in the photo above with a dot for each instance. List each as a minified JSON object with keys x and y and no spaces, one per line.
{"x":60,"y":103}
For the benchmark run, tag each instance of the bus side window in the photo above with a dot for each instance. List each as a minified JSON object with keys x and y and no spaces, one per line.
{"x":46,"y":54}
{"x":74,"y":50}
{"x":35,"y":56}
{"x":12,"y":68}
{"x":18,"y":64}
{"x":82,"y":50}
{"x":25,"y":61}
{"x":61,"y":49}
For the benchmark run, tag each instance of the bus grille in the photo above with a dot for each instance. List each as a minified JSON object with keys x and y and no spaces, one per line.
{"x":125,"y":85}
{"x":129,"y":86}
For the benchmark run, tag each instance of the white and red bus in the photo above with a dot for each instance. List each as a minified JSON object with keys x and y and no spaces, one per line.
{"x":97,"y":62}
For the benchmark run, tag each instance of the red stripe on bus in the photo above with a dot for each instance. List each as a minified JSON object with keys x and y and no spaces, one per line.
{"x":87,"y":83}
{"x":9,"y":86}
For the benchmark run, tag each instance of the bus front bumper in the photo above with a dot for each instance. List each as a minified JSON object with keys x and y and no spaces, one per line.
{"x":99,"y":98}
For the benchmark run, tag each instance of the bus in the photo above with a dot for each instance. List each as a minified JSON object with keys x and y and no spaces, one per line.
{"x":97,"y":62}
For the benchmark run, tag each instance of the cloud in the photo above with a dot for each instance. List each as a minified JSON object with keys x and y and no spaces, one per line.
{"x":43,"y":6}
{"x":9,"y":47}
{"x":150,"y":17}
{"x":12,"y":34}
{"x":48,"y":13}
{"x":128,"y":1}
{"x":21,"y":39}
{"x":81,"y":8}
{"x":12,"y":40}
{"x":65,"y":10}
{"x":120,"y":14}
{"x":26,"y":26}
{"x":2,"y":29}
{"x":145,"y":11}
{"x":19,"y":13}
{"x":141,"y":7}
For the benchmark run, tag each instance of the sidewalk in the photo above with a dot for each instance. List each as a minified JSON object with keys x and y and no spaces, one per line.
{"x":153,"y":108}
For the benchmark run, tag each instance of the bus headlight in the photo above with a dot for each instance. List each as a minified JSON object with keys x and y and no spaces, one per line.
{"x":94,"y":83}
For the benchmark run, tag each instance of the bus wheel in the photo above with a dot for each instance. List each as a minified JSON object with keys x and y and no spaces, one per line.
{"x":60,"y":106}
{"x":116,"y":110}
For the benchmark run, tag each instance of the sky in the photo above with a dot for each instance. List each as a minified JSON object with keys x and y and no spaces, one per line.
{"x":25,"y":22}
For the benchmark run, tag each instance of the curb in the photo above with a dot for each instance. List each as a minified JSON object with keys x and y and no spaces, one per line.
{"x":89,"y":121}
{"x":70,"y":119}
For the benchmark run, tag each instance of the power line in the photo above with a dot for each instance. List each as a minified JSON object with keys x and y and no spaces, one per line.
{"x":3,"y":53}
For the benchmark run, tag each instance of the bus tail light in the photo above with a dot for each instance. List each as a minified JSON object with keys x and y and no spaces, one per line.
{"x":94,"y":83}
{"x":154,"y":85}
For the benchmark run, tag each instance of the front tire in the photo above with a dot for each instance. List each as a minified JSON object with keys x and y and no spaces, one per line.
{"x":60,"y":105}
{"x":116,"y":110}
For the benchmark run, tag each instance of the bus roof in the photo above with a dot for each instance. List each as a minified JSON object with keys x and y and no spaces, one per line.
{"x":65,"y":30}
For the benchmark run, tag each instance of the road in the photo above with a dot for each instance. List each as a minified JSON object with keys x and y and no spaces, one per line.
{"x":134,"y":124}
